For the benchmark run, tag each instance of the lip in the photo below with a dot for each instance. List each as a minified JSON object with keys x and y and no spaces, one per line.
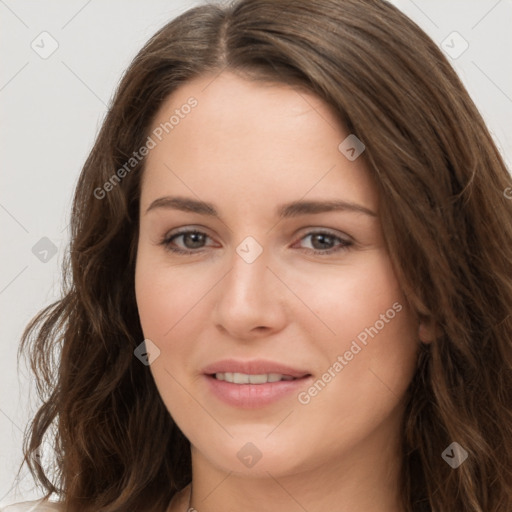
{"x":250,"y":396}
{"x":253,"y":367}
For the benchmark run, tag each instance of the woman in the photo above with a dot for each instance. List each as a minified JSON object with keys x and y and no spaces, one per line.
{"x":289,"y":284}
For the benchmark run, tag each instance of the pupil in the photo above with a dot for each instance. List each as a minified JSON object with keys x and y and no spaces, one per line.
{"x":322,"y":239}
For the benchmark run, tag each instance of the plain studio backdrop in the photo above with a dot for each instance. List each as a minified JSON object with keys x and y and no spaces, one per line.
{"x":60,"y":64}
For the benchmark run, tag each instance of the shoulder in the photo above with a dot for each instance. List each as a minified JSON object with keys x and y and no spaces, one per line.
{"x":34,"y":506}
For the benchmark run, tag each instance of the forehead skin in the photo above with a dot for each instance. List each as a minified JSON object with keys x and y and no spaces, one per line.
{"x":258,"y":142}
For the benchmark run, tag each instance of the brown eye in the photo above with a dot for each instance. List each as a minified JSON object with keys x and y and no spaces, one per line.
{"x":191,"y":241}
{"x":322,"y":242}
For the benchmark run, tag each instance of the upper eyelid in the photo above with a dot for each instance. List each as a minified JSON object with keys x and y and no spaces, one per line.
{"x":204,"y":231}
{"x":186,"y":231}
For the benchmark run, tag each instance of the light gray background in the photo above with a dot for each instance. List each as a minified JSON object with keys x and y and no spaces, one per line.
{"x":51,"y":111}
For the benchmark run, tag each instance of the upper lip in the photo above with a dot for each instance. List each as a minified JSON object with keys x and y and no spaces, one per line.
{"x":253,"y":367}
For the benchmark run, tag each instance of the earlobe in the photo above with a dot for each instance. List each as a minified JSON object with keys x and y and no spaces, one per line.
{"x":426,"y":332}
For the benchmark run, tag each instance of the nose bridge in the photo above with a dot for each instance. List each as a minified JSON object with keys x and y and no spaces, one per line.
{"x":249,"y":275}
{"x":248,"y":297}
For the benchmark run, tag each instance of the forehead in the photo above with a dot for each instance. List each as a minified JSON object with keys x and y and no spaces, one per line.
{"x":228,"y":93}
{"x":245,"y":138}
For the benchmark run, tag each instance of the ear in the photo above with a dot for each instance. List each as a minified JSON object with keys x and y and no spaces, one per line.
{"x":426,"y":331}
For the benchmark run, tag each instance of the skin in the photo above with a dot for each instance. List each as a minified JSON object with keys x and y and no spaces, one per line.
{"x":248,"y":147}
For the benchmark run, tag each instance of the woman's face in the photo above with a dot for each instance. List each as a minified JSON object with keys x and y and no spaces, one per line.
{"x":275,"y":275}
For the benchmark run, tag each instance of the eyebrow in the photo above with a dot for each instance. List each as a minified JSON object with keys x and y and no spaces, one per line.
{"x":284,"y":211}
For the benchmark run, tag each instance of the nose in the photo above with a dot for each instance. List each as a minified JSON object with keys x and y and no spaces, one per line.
{"x":250,"y":299}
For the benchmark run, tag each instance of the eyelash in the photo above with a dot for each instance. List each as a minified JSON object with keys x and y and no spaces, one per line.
{"x":166,"y":241}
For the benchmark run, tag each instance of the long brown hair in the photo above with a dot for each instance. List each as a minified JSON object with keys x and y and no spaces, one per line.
{"x":445,"y":216}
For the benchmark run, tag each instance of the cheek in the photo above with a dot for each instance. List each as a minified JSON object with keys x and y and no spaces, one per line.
{"x":173,"y":305}
{"x":362,"y":315}
{"x":370,"y":361}
{"x":166,"y":305}
{"x":155,"y":301}
{"x":165,"y":296}
{"x":346,"y":299}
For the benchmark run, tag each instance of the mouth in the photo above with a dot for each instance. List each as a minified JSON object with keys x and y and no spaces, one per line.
{"x":254,"y":390}
{"x":258,"y":379}
{"x":254,"y":383}
{"x":254,"y":371}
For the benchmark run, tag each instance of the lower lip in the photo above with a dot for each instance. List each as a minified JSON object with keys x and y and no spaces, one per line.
{"x":250,"y":396}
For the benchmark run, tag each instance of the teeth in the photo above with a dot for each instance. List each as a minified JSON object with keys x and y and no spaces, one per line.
{"x":244,"y":378}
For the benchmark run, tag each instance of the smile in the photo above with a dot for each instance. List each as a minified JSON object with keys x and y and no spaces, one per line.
{"x":244,"y":378}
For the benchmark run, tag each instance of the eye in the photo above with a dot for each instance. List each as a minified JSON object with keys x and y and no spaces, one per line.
{"x":192,"y":239}
{"x":324,"y":242}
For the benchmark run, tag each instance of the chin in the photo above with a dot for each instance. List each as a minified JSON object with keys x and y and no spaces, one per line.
{"x":256,"y":455}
